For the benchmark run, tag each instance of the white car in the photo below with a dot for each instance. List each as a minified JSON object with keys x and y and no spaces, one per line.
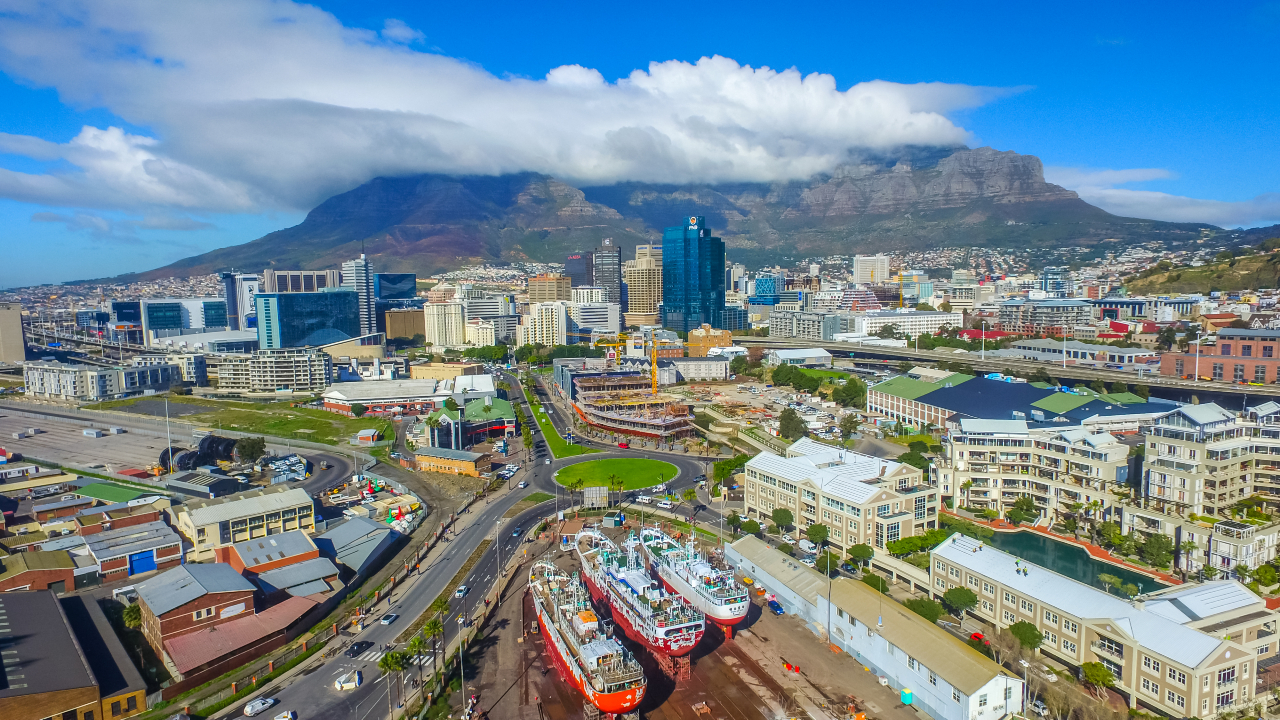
{"x":786,"y":538}
{"x":461,"y":591}
{"x":522,"y":484}
{"x":256,"y":707}
{"x":665,"y":504}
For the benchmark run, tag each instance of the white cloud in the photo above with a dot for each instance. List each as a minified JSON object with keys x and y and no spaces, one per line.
{"x":1098,"y":187}
{"x":104,"y":228}
{"x":276,"y":104}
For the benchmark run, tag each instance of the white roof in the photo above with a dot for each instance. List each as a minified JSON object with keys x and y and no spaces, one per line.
{"x":1154,"y":631}
{"x":1198,"y":602}
{"x":993,"y":427}
{"x":1205,"y":413}
{"x":850,"y":476}
{"x":246,"y":506}
{"x":800,"y":354}
{"x":473,"y":383}
{"x":384,"y":390}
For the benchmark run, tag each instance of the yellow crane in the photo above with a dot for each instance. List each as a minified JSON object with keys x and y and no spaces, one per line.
{"x":653,"y":356}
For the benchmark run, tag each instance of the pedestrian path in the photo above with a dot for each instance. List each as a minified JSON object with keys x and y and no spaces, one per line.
{"x":376,"y":655}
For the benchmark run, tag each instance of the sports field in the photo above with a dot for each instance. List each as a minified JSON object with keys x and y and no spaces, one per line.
{"x":636,"y":473}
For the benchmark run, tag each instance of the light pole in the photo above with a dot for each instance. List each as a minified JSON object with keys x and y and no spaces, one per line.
{"x":984,"y":339}
{"x":497,"y":541}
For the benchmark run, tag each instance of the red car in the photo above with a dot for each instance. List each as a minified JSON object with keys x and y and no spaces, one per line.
{"x":624,"y":446}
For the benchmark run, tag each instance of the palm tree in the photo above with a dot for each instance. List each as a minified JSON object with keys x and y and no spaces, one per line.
{"x":433,"y":424}
{"x":418,"y":648}
{"x":965,"y":489}
{"x":389,"y":663}
{"x":611,"y":483}
{"x":1187,"y":547}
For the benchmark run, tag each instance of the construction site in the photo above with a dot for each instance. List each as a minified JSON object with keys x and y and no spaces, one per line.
{"x":625,"y":404}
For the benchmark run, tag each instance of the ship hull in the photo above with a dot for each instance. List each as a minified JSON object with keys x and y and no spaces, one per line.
{"x":728,"y":614}
{"x":620,"y":617}
{"x":623,"y":701}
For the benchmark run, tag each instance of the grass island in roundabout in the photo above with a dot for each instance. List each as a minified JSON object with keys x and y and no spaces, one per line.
{"x":635,"y":473}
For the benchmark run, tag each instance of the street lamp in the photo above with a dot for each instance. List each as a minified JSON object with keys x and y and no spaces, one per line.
{"x":984,"y":339}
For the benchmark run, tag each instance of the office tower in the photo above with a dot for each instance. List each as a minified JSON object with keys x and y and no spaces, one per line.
{"x":488,"y":306}
{"x":405,"y":323}
{"x":239,"y":289}
{"x":395,"y":286}
{"x":870,"y":268}
{"x":580,"y":267}
{"x":444,"y":326}
{"x":692,"y":276}
{"x":643,"y":278}
{"x":549,"y":287}
{"x":588,"y":294}
{"x":306,"y":319}
{"x":597,"y":316}
{"x":283,"y":281}
{"x":13,"y":348}
{"x":1056,"y":282}
{"x":166,"y":317}
{"x":607,"y":270}
{"x":547,"y":323}
{"x":963,"y":277}
{"x":357,"y":275}
{"x":126,"y":311}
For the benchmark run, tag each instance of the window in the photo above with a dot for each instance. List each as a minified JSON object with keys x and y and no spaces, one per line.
{"x":1267,"y":350}
{"x":1070,"y":626}
{"x":131,"y":703}
{"x":1108,"y":645}
{"x":955,"y":695}
{"x":201,"y":614}
{"x":1264,"y":649}
{"x":1178,"y":676}
{"x":1217,"y":371}
{"x":1260,"y":373}
{"x":1028,"y":607}
{"x":1179,"y":368}
{"x":933,"y":678}
{"x":1069,"y":646}
{"x":1226,"y":676}
{"x":883,"y":510}
{"x":1150,"y":687}
{"x":1225,"y":349}
{"x":1152,"y":665}
{"x":988,"y":607}
{"x":1051,"y":617}
{"x":1246,"y":351}
{"x":1226,"y":699}
{"x":1009,"y":598}
{"x":115,"y":708}
{"x":1050,"y":638}
{"x":1238,"y":373}
{"x":982,"y":700}
{"x":1205,"y":685}
{"x":1010,"y":617}
{"x":973,"y":581}
{"x":1008,"y":692}
{"x":911,"y":663}
{"x":988,"y":588}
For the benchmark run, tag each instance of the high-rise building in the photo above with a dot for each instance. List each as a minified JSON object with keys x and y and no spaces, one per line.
{"x":165,"y":317}
{"x":395,"y":286}
{"x":643,"y":278}
{"x":444,"y":324}
{"x":549,"y":287}
{"x":593,"y":316}
{"x":870,"y":268}
{"x":285,"y":281}
{"x":588,"y":294}
{"x":357,"y":275}
{"x":13,"y":348}
{"x":580,"y":267}
{"x":307,"y":319}
{"x":547,"y":323}
{"x":692,"y":276}
{"x":239,"y":288}
{"x":607,"y":270}
{"x":1056,"y":282}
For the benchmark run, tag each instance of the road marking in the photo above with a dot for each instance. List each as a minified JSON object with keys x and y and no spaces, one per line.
{"x":372,"y":656}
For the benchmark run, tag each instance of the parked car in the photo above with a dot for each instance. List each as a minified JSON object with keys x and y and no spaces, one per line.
{"x":786,"y":538}
{"x":389,"y":618}
{"x":1038,"y":707}
{"x":258,"y":706}
{"x":776,"y":607}
{"x":665,"y":504}
{"x":357,"y":648}
{"x":461,"y":591}
{"x":624,"y":446}
{"x":807,"y":561}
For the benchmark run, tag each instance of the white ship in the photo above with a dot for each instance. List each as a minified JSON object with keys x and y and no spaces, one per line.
{"x":684,"y":570}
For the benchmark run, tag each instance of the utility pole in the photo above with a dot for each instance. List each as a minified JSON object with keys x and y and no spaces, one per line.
{"x":497,"y":541}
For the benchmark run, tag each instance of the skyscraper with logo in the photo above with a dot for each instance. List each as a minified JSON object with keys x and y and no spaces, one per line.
{"x":692,"y":277}
{"x":357,"y":275}
{"x":580,"y":267}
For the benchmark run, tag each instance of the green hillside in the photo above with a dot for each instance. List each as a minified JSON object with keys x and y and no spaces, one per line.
{"x":1251,"y":272}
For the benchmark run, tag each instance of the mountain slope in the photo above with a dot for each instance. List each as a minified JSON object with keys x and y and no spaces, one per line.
{"x":919,"y":199}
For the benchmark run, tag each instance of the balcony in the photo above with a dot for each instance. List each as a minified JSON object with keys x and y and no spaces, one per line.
{"x":1107,"y":650}
{"x":1226,"y":683}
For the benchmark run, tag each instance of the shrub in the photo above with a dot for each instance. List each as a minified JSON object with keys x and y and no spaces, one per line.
{"x":1028,"y":635}
{"x":930,"y":610}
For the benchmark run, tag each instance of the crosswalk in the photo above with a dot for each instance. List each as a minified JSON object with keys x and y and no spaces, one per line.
{"x":376,"y":655}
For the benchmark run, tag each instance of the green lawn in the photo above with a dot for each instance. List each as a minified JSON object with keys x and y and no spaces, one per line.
{"x":281,"y":420}
{"x":906,"y":440}
{"x":538,"y":497}
{"x":636,"y":473}
{"x":556,"y":444}
{"x":825,"y":374}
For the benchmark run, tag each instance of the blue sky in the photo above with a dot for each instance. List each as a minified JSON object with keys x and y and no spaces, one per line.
{"x":136,"y":135}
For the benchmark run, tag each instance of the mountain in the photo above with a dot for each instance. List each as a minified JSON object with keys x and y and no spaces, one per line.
{"x":916,"y":199}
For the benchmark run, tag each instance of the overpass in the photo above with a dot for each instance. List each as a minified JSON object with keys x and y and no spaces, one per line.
{"x":1227,"y":394}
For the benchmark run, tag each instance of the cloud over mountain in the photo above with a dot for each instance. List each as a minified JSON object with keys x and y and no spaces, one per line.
{"x":277,"y":104}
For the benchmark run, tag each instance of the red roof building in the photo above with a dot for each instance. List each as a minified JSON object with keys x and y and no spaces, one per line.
{"x":239,"y":641}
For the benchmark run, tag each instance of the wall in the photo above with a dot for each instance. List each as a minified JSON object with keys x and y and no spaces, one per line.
{"x":182,"y":620}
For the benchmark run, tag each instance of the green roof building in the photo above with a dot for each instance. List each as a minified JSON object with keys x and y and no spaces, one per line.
{"x":475,"y":422}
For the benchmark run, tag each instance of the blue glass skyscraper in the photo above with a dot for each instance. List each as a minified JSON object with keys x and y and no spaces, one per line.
{"x":692,"y":277}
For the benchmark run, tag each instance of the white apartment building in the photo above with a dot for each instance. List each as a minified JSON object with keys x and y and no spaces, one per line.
{"x":598,"y":316}
{"x":588,"y":294}
{"x":546,"y":323}
{"x":908,"y":320}
{"x":444,"y":326}
{"x":192,"y":365}
{"x":870,"y":268}
{"x":860,"y":498}
{"x":49,"y":380}
{"x":481,"y":333}
{"x":269,"y":371}
{"x":1188,"y":650}
{"x":357,"y":275}
{"x":991,"y":463}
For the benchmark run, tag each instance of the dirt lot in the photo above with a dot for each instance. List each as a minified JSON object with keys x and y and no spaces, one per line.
{"x":64,"y":443}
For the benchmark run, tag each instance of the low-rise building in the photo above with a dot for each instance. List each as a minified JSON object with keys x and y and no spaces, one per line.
{"x":1239,"y":355}
{"x":357,"y":544}
{"x":446,"y":460}
{"x":52,"y":380}
{"x":706,"y":337}
{"x":1181,"y":651}
{"x":443,"y":370}
{"x":807,"y":357}
{"x":122,"y":552}
{"x":860,"y":498}
{"x":192,"y":365}
{"x":191,"y":598}
{"x":1043,"y":317}
{"x":265,"y":554}
{"x":214,"y":523}
{"x":908,"y":321}
{"x":407,"y":397}
{"x":38,"y":570}
{"x":475,"y":422}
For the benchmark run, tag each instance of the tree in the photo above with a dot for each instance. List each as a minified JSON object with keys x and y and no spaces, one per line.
{"x":914,"y":459}
{"x":1097,"y":386}
{"x":918,"y":446}
{"x":827,"y":562}
{"x":751,"y":527}
{"x":1098,"y":676}
{"x":451,"y":405}
{"x":782,"y":517}
{"x":1118,"y":387}
{"x":689,"y":495}
{"x":389,"y":663}
{"x":734,"y":520}
{"x":417,"y":647}
{"x":1142,"y":391}
{"x":817,"y":533}
{"x":848,"y":423}
{"x":945,"y":307}
{"x":876,"y":582}
{"x":889,"y":331}
{"x":357,"y":409}
{"x":1028,"y":635}
{"x":1108,"y":580}
{"x":861,"y":553}
{"x":790,"y":426}
{"x":132,"y":616}
{"x":930,"y":610}
{"x":924,"y":307}
{"x":853,"y":393}
{"x":1265,"y":575}
{"x":1158,"y":550}
{"x":251,"y":448}
{"x":959,"y":601}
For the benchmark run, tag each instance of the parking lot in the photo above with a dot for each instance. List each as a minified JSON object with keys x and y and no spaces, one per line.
{"x":63,"y":442}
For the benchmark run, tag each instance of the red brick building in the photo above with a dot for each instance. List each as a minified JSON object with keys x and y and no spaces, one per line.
{"x":268,"y":553}
{"x":54,"y":570}
{"x":190,"y":598}
{"x":109,"y":517}
{"x":1240,"y":356}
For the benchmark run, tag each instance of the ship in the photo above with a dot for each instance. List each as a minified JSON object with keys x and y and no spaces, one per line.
{"x":661,"y":621}
{"x":581,"y":647}
{"x":684,"y":570}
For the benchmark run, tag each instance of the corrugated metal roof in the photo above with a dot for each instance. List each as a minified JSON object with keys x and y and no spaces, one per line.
{"x":850,"y":476}
{"x":257,"y":502}
{"x":179,"y":586}
{"x":448,"y":454}
{"x":1199,"y":602}
{"x":119,"y":542}
{"x":199,"y":648}
{"x":355,"y":542}
{"x":297,"y":574}
{"x":259,"y":551}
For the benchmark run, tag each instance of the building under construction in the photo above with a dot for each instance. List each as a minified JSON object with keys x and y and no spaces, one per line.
{"x":621,"y":401}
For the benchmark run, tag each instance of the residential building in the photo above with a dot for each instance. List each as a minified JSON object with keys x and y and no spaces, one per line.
{"x":13,"y":344}
{"x":192,"y":367}
{"x":908,"y":321}
{"x":444,"y":326}
{"x":239,"y":290}
{"x":1183,"y":651}
{"x":815,"y":326}
{"x":211,"y":524}
{"x":588,"y":318}
{"x":481,"y":333}
{"x":860,"y":498}
{"x":1056,"y":282}
{"x":406,"y":322}
{"x":446,"y":460}
{"x":606,"y":271}
{"x":300,"y":370}
{"x":704,"y":338}
{"x":1069,"y":471}
{"x":1043,"y":317}
{"x":870,"y":268}
{"x":52,"y":570}
{"x":547,"y":323}
{"x":191,"y":597}
{"x":580,"y":267}
{"x":299,"y":281}
{"x":946,"y":679}
{"x":407,"y":397}
{"x":692,"y":277}
{"x":804,"y":357}
{"x":1240,"y":356}
{"x":550,"y":287}
{"x":588,"y":294}
{"x":358,"y":276}
{"x":52,"y":380}
{"x":307,"y":319}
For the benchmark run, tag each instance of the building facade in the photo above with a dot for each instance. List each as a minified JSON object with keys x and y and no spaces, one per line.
{"x":51,"y":380}
{"x":214,"y":523}
{"x":192,"y":366}
{"x":692,"y":277}
{"x":1043,"y":317}
{"x":1239,"y":356}
{"x":444,"y":326}
{"x":357,"y":276}
{"x":239,"y":290}
{"x":481,"y":333}
{"x":296,"y":281}
{"x":580,"y":267}
{"x":303,"y":319}
{"x":815,"y":326}
{"x":606,"y":270}
{"x":550,"y":287}
{"x":906,"y":320}
{"x":268,"y":371}
{"x":870,"y":269}
{"x":547,"y":323}
{"x":706,"y":337}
